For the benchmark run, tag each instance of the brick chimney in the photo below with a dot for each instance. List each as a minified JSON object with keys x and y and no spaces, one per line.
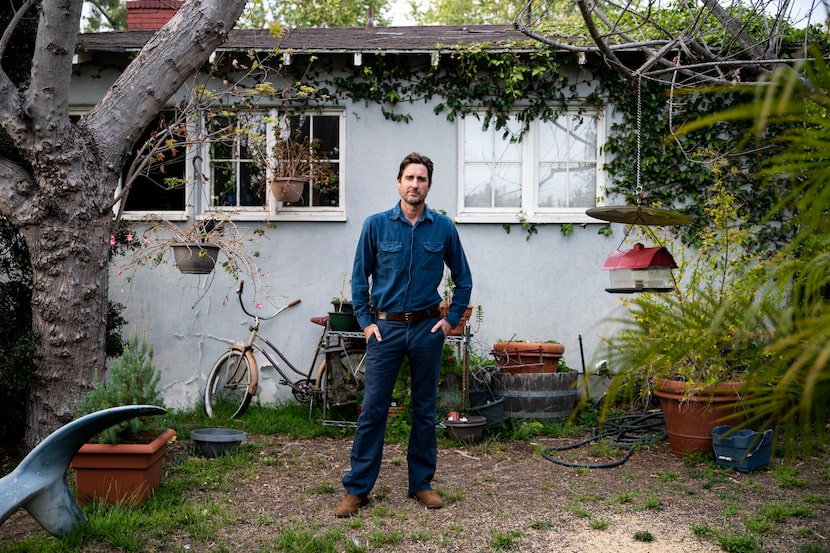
{"x":150,"y":14}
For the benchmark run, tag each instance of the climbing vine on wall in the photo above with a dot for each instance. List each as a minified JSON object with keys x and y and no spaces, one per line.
{"x":528,"y":82}
{"x":533,"y":82}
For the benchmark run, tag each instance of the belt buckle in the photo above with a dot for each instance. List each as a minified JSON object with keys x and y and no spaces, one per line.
{"x":408,"y":316}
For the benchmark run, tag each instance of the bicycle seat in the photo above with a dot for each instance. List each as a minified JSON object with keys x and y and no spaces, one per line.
{"x":322,"y":321}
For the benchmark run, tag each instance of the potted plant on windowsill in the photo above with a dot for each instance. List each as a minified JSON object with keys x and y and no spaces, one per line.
{"x":124,"y":465}
{"x":699,"y":347}
{"x":295,"y":162}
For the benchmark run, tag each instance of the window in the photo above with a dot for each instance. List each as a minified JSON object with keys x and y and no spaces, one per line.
{"x":552,"y":175}
{"x":160,"y":186}
{"x":237,"y":174}
{"x":228,"y":168}
{"x":322,"y":131}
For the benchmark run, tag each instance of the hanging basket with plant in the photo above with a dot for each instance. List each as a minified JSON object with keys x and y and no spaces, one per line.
{"x":295,"y":166}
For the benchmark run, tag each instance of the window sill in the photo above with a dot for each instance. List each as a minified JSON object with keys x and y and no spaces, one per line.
{"x":574,"y":217}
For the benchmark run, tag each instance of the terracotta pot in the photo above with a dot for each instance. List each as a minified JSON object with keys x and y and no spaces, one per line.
{"x":395,"y":412}
{"x":288,"y":189}
{"x":120,"y":473}
{"x":527,"y":357}
{"x":691,"y":419}
{"x":462,"y":324}
{"x":195,"y":258}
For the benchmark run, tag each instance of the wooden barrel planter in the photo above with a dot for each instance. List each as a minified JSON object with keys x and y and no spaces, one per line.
{"x":527,"y":357}
{"x":537,"y":396}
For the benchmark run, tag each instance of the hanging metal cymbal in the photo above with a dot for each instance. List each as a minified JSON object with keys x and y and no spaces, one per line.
{"x":639,"y":215}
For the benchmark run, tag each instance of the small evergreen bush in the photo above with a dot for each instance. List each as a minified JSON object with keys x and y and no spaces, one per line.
{"x":133,"y":380}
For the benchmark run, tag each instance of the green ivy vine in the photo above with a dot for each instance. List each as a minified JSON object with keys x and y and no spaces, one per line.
{"x":532,"y":82}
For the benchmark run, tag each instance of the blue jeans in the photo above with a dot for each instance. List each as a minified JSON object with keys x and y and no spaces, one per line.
{"x":383,"y":361}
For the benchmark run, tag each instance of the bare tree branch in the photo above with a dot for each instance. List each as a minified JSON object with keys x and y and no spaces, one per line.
{"x":18,"y":15}
{"x":717,"y":45}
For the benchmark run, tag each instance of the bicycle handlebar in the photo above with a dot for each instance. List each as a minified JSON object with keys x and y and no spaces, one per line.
{"x":274,"y":314}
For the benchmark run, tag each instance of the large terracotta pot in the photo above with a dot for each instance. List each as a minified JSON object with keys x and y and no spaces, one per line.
{"x":691,"y":419}
{"x":527,"y":357}
{"x":117,"y":473}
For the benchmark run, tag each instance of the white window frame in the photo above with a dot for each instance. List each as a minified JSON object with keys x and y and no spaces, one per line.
{"x":529,"y":209}
{"x":279,"y":212}
{"x":198,"y":189}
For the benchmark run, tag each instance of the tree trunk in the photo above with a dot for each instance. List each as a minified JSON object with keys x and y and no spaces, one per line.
{"x":61,"y":199}
{"x":68,"y":238}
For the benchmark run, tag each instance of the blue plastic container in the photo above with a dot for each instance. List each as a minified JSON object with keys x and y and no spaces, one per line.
{"x":744,"y":450}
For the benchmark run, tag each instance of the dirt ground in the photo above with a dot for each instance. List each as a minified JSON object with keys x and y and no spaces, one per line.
{"x":498,"y":495}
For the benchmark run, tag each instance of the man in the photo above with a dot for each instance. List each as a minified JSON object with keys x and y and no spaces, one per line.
{"x":398,"y":267}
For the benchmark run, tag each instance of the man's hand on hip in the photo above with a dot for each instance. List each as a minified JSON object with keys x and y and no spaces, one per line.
{"x":443,"y":325}
{"x":370,"y":330}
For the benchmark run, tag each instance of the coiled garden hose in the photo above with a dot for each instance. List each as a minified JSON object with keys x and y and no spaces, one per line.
{"x":627,"y":432}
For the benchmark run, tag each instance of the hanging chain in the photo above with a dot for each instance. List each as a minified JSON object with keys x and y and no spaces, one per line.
{"x":639,"y":188}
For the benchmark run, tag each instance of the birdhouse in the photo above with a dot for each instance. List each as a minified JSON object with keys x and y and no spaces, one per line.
{"x":640,"y":269}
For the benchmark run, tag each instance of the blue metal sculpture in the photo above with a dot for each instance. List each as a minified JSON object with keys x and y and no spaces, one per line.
{"x":38,"y":484}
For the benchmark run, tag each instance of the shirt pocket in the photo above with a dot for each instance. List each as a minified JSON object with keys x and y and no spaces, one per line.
{"x":431,"y":256}
{"x":390,"y":255}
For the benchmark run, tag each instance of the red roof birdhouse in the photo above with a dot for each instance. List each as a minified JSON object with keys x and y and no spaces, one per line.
{"x":640,"y":269}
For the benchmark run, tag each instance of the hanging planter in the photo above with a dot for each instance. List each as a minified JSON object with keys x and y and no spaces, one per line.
{"x":288,"y":189}
{"x":195,"y":258}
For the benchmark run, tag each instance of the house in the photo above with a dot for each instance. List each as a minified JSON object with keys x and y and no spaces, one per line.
{"x":540,"y":281}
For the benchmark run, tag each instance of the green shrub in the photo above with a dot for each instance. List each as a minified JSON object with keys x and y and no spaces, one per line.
{"x":133,"y":380}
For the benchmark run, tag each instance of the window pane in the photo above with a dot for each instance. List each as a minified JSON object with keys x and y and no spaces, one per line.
{"x":237,"y":178}
{"x":492,"y":166}
{"x":567,"y":162}
{"x":478,"y":185}
{"x":161,"y":185}
{"x":323,"y":132}
{"x":553,"y":185}
{"x":583,"y":185}
{"x":508,"y":185}
{"x":252,"y":184}
{"x":223,"y":183}
{"x":584,"y":138}
{"x":477,"y":143}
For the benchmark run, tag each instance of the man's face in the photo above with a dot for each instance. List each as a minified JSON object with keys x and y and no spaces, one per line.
{"x":413,"y":185}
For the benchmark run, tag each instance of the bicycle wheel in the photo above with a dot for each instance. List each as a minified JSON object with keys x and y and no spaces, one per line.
{"x":354,"y":359}
{"x":226,"y":393}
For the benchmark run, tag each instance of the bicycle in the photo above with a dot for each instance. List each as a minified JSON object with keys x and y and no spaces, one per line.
{"x":233,"y":380}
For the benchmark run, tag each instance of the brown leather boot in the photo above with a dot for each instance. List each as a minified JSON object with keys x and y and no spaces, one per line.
{"x":429,"y":499}
{"x":349,"y":505}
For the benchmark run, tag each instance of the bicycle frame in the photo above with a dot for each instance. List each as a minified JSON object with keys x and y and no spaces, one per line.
{"x":255,"y":341}
{"x":242,"y":377}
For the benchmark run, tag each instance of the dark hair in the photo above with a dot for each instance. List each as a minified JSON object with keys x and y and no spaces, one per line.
{"x":415,"y":157}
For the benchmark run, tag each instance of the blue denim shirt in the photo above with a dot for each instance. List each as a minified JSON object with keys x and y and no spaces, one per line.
{"x":402,"y":265}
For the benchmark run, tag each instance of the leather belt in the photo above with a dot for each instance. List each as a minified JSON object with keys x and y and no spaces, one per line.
{"x":411,"y":316}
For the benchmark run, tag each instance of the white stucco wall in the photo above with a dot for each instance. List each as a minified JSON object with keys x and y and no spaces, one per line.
{"x":550,"y":287}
